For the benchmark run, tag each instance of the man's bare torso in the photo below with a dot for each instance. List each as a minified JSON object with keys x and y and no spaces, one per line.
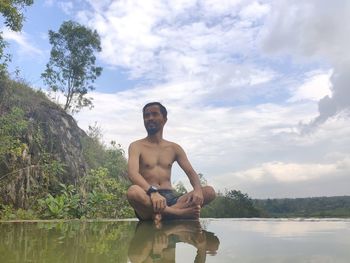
{"x":155,"y":162}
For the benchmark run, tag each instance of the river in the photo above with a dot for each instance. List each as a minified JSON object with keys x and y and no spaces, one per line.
{"x":210,"y":240}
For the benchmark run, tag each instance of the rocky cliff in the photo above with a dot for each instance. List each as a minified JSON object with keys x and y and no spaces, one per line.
{"x":50,"y":148}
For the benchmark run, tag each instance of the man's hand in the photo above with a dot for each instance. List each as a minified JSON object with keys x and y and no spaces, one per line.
{"x":160,"y":242}
{"x":158,"y":202}
{"x":196,"y":197}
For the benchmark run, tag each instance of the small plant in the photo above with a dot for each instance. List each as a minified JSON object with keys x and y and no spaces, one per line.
{"x":7,"y":212}
{"x":65,"y":205}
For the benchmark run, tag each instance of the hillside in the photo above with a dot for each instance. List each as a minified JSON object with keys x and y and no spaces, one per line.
{"x":42,"y":149}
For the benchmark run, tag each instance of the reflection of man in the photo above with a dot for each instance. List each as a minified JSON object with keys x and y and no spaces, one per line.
{"x":149,"y":169}
{"x":150,"y":244}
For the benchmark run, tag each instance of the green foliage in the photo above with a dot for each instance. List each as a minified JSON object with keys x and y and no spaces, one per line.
{"x":180,"y":188}
{"x":27,"y":164}
{"x":202,"y":180}
{"x":51,"y":166}
{"x":65,"y":205}
{"x":5,"y":58}
{"x":105,"y":196}
{"x":93,"y":147}
{"x":97,"y":154}
{"x":71,"y":68}
{"x":98,"y":196}
{"x":12,"y":129}
{"x":18,"y":137}
{"x":231,"y":205}
{"x":115,"y":161}
{"x":55,"y":206}
{"x":337,"y":206}
{"x":24,"y":162}
{"x":11,"y":10}
{"x":7,"y":212}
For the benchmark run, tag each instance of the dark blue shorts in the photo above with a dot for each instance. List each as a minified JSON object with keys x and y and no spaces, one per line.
{"x":170,"y":195}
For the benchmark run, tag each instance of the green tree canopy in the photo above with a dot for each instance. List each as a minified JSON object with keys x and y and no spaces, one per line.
{"x":71,"y":68}
{"x":11,"y":10}
{"x":232,"y":204}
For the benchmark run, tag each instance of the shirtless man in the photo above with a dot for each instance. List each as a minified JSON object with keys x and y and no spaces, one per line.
{"x":149,"y":169}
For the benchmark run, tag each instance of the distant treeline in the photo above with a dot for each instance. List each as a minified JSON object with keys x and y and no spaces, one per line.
{"x":336,"y":206}
{"x":235,"y":204}
{"x":231,"y":204}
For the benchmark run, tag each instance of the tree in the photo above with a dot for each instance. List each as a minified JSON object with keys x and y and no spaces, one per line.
{"x":180,"y":188}
{"x":97,"y":154}
{"x":12,"y":128}
{"x":232,"y":204}
{"x":71,"y":68}
{"x":11,"y":10}
{"x":202,"y":179}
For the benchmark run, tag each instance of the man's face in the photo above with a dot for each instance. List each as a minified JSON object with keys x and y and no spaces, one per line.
{"x":153,"y":119}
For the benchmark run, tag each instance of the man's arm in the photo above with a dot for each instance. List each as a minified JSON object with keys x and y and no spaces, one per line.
{"x":133,"y":167}
{"x":181,"y":158}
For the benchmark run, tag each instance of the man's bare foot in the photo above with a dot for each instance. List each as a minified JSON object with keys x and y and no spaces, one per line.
{"x":157,"y":219}
{"x":181,"y":205}
{"x":192,"y":212}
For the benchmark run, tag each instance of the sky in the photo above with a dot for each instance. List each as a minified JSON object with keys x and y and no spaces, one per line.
{"x":257,"y":92}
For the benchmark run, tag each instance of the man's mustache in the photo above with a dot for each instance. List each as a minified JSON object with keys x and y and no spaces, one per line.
{"x":151,"y":122}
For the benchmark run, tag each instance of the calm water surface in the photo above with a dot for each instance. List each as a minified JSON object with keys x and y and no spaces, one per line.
{"x":210,"y":240}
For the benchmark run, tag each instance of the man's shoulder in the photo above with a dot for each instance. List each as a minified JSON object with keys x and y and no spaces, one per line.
{"x":143,"y":142}
{"x":140,"y":141}
{"x":174,"y":145}
{"x":136,"y":144}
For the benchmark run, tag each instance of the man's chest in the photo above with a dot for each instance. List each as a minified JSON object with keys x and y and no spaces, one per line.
{"x":157,"y":156}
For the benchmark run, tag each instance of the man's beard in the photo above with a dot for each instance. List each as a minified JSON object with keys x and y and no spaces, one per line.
{"x":153,"y":129}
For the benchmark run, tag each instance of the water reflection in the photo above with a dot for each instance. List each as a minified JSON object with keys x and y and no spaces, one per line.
{"x":158,"y":244}
{"x":241,"y":240}
{"x":118,"y":241}
{"x":65,"y":241}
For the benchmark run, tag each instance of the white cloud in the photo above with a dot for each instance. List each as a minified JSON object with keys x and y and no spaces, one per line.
{"x":282,"y":179}
{"x":309,"y":28}
{"x":218,"y":140}
{"x":238,"y":113}
{"x":242,"y":81}
{"x":254,"y":11}
{"x":49,"y":2}
{"x":161,"y":40}
{"x":184,"y":42}
{"x":21,"y":39}
{"x":316,"y":30}
{"x":315,"y":87}
{"x":67,"y":7}
{"x":289,"y":172}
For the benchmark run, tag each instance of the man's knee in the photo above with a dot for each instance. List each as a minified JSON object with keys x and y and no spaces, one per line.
{"x":209,"y":194}
{"x":134,"y":192}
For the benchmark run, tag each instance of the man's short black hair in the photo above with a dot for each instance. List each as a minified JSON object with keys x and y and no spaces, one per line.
{"x":163,"y":110}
